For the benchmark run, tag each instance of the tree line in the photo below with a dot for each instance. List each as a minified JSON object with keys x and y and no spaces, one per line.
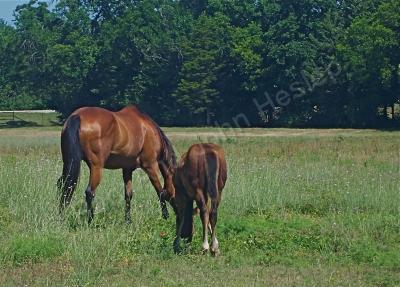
{"x":308,"y":63}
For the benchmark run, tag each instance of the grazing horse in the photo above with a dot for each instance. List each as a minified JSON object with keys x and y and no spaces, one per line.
{"x":200,"y":176}
{"x":127,"y":140}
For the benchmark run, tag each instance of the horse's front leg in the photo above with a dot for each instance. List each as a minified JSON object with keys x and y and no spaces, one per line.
{"x":152,"y":172}
{"x":168,"y":192}
{"x":127,"y":176}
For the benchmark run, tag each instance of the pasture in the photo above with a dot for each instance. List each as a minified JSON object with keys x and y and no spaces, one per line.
{"x":301,"y":208}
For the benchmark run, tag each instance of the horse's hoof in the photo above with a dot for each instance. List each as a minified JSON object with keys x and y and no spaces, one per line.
{"x":215,"y":252}
{"x":164,"y":196}
{"x":177,"y":247}
{"x":165,"y":213}
{"x":178,"y":250}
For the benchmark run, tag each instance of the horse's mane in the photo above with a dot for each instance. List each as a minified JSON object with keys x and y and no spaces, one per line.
{"x":168,"y":153}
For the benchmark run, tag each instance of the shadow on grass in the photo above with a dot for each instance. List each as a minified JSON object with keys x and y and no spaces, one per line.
{"x":25,"y":124}
{"x":18,"y":124}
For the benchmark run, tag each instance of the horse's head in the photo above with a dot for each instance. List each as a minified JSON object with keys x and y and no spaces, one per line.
{"x":183,"y":207}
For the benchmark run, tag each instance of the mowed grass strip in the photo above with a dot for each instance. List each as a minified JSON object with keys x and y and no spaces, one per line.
{"x":299,"y":209}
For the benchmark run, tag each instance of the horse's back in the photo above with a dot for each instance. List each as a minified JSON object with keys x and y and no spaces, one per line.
{"x":99,"y":123}
{"x":92,"y":112}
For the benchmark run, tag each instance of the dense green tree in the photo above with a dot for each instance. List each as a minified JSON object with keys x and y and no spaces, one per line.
{"x":26,"y":57}
{"x":370,"y":53}
{"x":196,"y":7}
{"x":205,"y":51}
{"x":243,"y":75}
{"x":240,"y":12}
{"x":226,"y":62}
{"x":138,"y":59}
{"x":7,"y":93}
{"x":299,"y":46}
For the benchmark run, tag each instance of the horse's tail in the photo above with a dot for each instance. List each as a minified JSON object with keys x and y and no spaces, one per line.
{"x":212,"y":173}
{"x":72,"y":155}
{"x":167,"y":155}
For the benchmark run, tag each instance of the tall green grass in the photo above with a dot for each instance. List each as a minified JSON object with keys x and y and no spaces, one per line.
{"x":307,"y":210}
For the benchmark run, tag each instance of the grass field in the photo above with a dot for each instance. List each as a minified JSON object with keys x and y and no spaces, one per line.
{"x":301,"y":208}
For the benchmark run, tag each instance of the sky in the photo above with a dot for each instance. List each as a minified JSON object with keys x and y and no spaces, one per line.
{"x":7,"y":8}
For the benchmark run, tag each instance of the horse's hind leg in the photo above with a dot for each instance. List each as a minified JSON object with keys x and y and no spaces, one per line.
{"x":127,"y":175}
{"x":94,"y":181}
{"x":212,"y":226}
{"x":152,"y":172}
{"x":204,"y":215}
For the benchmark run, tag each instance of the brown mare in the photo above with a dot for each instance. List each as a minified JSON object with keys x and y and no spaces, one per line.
{"x":127,"y":140}
{"x":200,"y":176}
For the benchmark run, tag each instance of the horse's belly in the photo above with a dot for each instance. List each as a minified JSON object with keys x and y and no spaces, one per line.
{"x":116,"y":161}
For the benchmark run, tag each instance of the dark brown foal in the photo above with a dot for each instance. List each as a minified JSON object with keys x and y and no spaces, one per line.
{"x":125,"y":140}
{"x":200,"y":177}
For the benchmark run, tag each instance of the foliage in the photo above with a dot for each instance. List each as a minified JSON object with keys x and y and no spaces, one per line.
{"x":319,"y":62}
{"x":204,"y":58}
{"x":370,"y":50}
